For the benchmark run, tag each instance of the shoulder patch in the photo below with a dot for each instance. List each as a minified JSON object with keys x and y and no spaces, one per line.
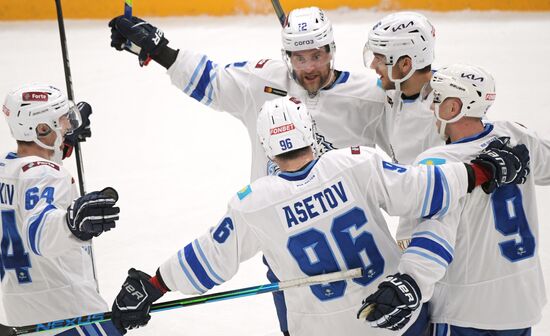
{"x":355,"y":150}
{"x":40,"y":163}
{"x":244,"y":192}
{"x":432,"y":161}
{"x":278,"y":92}
{"x":261,"y":63}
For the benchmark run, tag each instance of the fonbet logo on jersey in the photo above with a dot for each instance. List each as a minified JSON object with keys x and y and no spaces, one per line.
{"x":281,"y":129}
{"x":35,"y":96}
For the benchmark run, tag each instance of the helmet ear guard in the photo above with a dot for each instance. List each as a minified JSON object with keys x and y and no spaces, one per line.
{"x":284,"y":125}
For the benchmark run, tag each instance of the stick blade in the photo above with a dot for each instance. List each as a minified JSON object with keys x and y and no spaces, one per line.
{"x":7,"y":331}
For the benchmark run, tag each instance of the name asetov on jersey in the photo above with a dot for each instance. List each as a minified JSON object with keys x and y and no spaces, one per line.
{"x":315,"y":206}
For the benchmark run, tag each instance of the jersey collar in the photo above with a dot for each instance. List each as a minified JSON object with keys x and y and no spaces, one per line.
{"x":11,"y":156}
{"x":300,"y":174}
{"x":486,"y":130}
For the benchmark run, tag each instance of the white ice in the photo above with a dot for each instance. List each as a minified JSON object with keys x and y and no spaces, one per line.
{"x":175,"y":163}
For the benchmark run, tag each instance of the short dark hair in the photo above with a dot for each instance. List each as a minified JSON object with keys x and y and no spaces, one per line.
{"x":293,"y":154}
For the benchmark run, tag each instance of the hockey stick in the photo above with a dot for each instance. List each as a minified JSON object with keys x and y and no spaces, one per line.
{"x":191,"y":301}
{"x":128,"y":14}
{"x":70,"y":93}
{"x":279,"y":11}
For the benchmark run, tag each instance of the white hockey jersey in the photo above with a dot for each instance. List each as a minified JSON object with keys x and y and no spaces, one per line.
{"x":46,"y":272}
{"x":323,"y":218}
{"x":409,"y":125}
{"x":348,"y":113}
{"x":495,"y":279}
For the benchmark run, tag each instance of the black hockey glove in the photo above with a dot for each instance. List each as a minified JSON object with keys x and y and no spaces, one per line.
{"x":507,"y":164}
{"x":147,"y":40}
{"x":392,"y":305}
{"x":81,"y":133}
{"x":92,"y":214}
{"x":133,"y":302}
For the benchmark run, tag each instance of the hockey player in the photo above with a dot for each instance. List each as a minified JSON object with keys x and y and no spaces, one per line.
{"x":347,"y":107}
{"x":494,"y":285}
{"x":46,"y":268}
{"x":400,"y":48}
{"x":317,"y":216}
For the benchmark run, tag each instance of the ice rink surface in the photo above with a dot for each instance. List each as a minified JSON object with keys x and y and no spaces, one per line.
{"x":176,"y":163}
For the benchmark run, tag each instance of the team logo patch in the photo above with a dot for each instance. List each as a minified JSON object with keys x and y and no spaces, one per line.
{"x":35,"y":96}
{"x":281,"y":129}
{"x":278,"y":92}
{"x":261,"y":63}
{"x":39,"y":163}
{"x":244,"y":192}
{"x":355,"y":150}
{"x":432,"y":161}
{"x":5,"y":110}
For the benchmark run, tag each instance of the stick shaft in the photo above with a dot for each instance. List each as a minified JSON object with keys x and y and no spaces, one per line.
{"x":190,"y":301}
{"x":279,"y":11}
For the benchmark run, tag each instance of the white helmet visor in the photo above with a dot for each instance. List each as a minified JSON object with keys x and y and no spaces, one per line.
{"x":308,"y":59}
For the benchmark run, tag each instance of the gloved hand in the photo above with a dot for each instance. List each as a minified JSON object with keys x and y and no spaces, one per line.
{"x":133,"y":302}
{"x":81,"y":133}
{"x":507,"y":164}
{"x":147,"y":40}
{"x":92,"y":214}
{"x":392,"y":305}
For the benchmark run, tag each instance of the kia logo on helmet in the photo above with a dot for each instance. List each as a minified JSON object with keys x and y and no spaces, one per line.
{"x":35,"y":96}
{"x":403,"y":26}
{"x":300,"y":43}
{"x":5,"y":110}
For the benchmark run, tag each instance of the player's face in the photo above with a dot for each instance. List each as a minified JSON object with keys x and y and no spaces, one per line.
{"x":311,"y":68}
{"x":378,"y":64}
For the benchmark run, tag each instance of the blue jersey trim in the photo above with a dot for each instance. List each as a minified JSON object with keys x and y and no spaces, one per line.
{"x":33,"y":229}
{"x":11,"y":156}
{"x":427,"y":256}
{"x":205,"y":261}
{"x":436,"y":237}
{"x":486,"y":130}
{"x":204,"y":81}
{"x":342,"y":78}
{"x":197,"y":268}
{"x":298,"y":175}
{"x":429,"y":170}
{"x":195,"y":74}
{"x":437,"y":196}
{"x":187,"y":274}
{"x":432,"y":246}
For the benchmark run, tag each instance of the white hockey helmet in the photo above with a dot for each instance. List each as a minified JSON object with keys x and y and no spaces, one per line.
{"x":473,"y":85}
{"x":401,"y":34}
{"x":305,"y":29}
{"x":31,"y":105}
{"x":284,"y":124}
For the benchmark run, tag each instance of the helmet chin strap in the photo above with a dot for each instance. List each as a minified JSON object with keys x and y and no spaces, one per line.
{"x":57,"y":155}
{"x":444,"y":122}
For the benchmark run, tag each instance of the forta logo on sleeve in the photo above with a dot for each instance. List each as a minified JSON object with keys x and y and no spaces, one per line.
{"x":35,"y":96}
